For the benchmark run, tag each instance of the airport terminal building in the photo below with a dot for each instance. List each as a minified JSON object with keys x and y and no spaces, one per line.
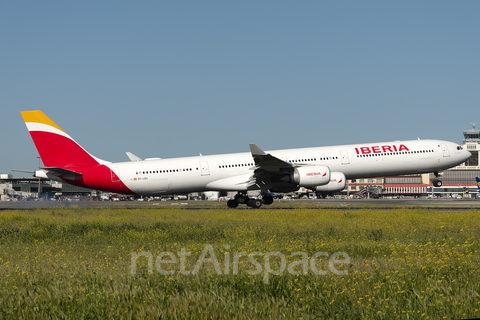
{"x":33,"y":188}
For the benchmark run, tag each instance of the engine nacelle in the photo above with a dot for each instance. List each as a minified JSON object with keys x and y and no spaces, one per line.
{"x":337,"y":183}
{"x":311,"y":176}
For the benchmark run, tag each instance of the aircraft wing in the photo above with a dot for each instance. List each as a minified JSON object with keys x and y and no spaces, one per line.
{"x":266,"y":161}
{"x":269,"y":170}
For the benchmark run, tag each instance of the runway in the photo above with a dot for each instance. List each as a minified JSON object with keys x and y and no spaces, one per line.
{"x":278,"y":204}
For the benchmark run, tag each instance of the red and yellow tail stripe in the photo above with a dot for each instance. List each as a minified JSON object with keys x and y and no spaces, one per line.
{"x":55,"y":146}
{"x":58,"y":150}
{"x":34,"y":118}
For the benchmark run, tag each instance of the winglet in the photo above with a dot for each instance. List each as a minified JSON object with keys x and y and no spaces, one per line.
{"x":256,"y":151}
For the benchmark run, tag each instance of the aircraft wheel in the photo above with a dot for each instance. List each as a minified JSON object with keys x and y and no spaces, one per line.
{"x":254,"y":203}
{"x":240,"y":198}
{"x":437,"y":183}
{"x":232,"y":203}
{"x":268,"y":200}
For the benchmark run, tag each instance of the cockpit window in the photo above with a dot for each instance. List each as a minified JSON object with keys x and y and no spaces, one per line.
{"x":459,"y":148}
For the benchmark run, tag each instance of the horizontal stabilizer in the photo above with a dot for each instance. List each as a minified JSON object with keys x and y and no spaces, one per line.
{"x":59,"y":172}
{"x":25,"y":171}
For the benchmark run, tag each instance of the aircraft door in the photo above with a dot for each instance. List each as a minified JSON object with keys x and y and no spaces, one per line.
{"x":444,"y":147}
{"x":115,"y":174}
{"x":205,"y":171}
{"x":344,"y":157}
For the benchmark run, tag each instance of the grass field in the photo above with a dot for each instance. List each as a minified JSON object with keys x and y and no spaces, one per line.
{"x":77,"y":263}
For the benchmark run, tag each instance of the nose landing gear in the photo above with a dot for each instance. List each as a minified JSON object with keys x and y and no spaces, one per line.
{"x":437,"y":182}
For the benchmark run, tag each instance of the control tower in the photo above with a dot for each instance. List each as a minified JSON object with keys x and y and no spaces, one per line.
{"x":471,"y":142}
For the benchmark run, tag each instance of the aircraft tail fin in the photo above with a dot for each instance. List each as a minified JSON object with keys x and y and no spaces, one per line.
{"x":55,"y":146}
{"x":478,"y":183}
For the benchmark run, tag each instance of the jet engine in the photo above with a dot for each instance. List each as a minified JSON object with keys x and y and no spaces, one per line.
{"x":311,"y":176}
{"x":337,"y":183}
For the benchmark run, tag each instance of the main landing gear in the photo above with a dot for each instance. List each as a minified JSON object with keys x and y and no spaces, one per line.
{"x":251,"y":202}
{"x":437,"y":183}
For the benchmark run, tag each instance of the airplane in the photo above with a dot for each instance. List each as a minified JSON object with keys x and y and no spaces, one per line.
{"x":322,"y":169}
{"x":478,"y":183}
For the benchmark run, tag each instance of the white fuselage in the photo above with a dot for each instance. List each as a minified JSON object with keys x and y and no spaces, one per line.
{"x":229,"y":172}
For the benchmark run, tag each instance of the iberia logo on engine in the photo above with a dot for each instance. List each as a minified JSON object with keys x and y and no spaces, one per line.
{"x":316,"y":174}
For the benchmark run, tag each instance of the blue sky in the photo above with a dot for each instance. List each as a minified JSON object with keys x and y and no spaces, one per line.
{"x":178,"y":78}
